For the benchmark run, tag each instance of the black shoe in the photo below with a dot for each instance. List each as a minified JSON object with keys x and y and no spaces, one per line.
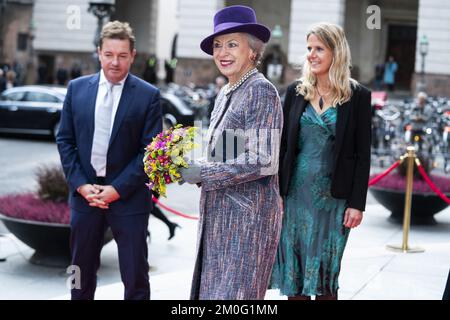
{"x":172,"y":227}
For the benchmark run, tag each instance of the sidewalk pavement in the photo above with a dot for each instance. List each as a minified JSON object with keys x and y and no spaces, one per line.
{"x":369,"y":271}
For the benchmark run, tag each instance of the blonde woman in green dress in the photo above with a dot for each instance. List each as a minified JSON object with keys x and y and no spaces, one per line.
{"x":324,"y":167}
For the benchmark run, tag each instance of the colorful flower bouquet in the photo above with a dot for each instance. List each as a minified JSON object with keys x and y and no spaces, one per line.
{"x":166,"y":154}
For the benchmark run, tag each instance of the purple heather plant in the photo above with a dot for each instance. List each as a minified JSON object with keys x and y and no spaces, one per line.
{"x":395,"y":181}
{"x":30,"y":207}
{"x":48,"y":204}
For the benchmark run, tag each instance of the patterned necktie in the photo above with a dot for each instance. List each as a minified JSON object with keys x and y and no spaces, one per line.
{"x":102,"y":132}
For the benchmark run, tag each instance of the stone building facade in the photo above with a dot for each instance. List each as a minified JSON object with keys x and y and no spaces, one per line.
{"x":400,"y":24}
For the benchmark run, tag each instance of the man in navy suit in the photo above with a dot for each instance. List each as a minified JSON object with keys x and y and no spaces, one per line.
{"x":107,"y":120}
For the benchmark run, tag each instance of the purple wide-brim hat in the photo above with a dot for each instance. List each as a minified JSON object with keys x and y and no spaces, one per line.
{"x":235,"y":19}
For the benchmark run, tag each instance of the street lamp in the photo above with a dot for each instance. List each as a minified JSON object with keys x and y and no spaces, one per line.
{"x":101,"y":9}
{"x":423,"y":49}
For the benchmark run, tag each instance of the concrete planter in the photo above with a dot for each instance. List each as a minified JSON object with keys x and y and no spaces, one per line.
{"x":51,"y":241}
{"x":424,"y":205}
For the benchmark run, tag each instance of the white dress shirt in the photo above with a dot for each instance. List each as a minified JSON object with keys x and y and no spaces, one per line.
{"x":117,"y":93}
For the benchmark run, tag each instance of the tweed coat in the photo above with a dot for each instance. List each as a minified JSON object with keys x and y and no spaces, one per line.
{"x":240,"y":203}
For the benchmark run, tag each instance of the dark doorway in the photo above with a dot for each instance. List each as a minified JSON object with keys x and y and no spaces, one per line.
{"x":402,"y":46}
{"x":46,"y":69}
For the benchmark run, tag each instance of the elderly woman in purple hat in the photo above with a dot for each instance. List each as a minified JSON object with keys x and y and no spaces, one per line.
{"x":240,"y":205}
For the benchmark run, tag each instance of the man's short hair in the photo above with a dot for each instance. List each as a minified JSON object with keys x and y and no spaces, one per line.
{"x":117,"y":30}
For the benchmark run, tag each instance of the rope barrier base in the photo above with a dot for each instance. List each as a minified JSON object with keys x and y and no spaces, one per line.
{"x":407,"y":250}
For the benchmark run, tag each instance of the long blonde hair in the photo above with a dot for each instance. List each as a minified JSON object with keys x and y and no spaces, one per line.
{"x":333,"y":37}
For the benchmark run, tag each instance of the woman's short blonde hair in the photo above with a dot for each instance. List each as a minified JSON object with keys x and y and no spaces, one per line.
{"x":333,"y":37}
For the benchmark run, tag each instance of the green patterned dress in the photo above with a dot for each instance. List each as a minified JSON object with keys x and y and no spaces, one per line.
{"x":313,"y":237}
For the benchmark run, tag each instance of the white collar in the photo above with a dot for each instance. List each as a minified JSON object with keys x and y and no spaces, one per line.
{"x":104,"y":80}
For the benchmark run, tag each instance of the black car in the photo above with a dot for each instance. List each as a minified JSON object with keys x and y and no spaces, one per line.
{"x":185,"y":105}
{"x":31,"y":109}
{"x":175,"y":110}
{"x":37,"y":109}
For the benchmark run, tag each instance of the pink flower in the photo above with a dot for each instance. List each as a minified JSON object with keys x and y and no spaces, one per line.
{"x":167,"y":178}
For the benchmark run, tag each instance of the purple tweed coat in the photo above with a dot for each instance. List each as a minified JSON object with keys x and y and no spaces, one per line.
{"x":240,"y":204}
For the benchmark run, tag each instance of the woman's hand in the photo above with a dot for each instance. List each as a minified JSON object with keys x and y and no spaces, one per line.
{"x":352,"y":217}
{"x":192,"y":174}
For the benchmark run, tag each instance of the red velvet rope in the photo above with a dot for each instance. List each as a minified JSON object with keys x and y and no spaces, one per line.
{"x":384,"y":174}
{"x":155,"y":200}
{"x":431,"y":184}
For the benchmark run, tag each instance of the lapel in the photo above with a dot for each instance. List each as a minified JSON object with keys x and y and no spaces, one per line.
{"x":213,"y":133}
{"x":91,"y":98}
{"x":294,"y":115}
{"x":343,"y":112}
{"x":124,"y":103}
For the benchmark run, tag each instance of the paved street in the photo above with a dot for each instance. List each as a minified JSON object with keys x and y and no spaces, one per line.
{"x":19,"y":157}
{"x":369,"y":271}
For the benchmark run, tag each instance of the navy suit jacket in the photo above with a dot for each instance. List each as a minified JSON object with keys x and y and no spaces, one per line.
{"x":137,"y":121}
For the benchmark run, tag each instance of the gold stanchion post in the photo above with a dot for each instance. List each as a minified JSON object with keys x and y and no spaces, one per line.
{"x":410,"y":157}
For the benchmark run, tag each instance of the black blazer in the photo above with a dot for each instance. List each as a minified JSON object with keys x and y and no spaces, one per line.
{"x":352,"y":149}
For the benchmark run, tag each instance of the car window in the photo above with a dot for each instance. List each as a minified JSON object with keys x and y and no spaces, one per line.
{"x":13,"y":96}
{"x":40,"y":97}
